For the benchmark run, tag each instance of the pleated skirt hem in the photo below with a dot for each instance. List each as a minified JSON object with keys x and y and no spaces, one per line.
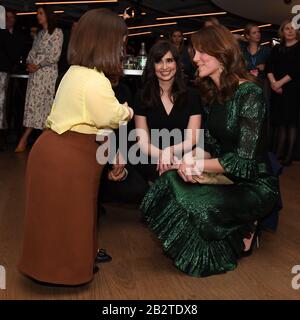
{"x":181,"y":239}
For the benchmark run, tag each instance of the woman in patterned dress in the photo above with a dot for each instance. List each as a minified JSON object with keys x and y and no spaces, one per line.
{"x":42,"y":66}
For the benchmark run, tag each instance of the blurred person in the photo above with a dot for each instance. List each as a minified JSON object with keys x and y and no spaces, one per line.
{"x":43,"y":71}
{"x":255,"y":55}
{"x":211,"y":21}
{"x":283,"y":71}
{"x":12,"y":48}
{"x":33,"y":32}
{"x":177,"y":39}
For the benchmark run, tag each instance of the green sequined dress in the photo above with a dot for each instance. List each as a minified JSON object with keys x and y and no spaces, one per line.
{"x":202,"y":227}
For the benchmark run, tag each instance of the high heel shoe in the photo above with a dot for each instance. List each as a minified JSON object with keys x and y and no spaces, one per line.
{"x":255,"y":241}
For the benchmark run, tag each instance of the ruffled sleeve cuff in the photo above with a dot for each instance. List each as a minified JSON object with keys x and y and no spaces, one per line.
{"x":239,"y":167}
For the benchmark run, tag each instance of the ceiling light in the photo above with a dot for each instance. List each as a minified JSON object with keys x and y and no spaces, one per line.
{"x":34,"y":13}
{"x":72,"y":2}
{"x":139,"y":34}
{"x":193,"y":15}
{"x":237,"y":30}
{"x":153,"y":25}
{"x":261,"y":26}
{"x":191,"y":32}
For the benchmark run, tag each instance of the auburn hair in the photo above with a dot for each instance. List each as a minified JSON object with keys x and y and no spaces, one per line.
{"x":218,"y":41}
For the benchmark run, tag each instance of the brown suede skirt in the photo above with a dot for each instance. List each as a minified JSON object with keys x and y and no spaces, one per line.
{"x":62,"y":183}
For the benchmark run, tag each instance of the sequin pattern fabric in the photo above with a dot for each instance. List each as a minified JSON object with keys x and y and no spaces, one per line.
{"x":202,"y":227}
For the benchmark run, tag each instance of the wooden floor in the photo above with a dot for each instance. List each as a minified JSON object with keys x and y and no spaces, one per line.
{"x":139,"y":270}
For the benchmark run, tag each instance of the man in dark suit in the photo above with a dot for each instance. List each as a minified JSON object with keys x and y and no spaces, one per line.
{"x":18,"y":40}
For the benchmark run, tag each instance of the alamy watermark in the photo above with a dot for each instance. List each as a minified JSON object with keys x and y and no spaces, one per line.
{"x":296,"y":279}
{"x":187,"y":146}
{"x":296,"y":19}
{"x":2,"y":278}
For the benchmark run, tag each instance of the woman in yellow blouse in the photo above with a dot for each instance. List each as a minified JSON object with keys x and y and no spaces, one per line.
{"x":62,"y":179}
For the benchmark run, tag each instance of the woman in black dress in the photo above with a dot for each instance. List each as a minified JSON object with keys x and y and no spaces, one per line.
{"x":283,"y":70}
{"x":165,"y":103}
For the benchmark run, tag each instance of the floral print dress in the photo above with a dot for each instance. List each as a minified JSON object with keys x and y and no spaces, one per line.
{"x":45,"y":53}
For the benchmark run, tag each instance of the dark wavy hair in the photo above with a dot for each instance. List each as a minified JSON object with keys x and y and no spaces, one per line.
{"x":218,"y":41}
{"x":51,"y":18}
{"x":151,"y":91}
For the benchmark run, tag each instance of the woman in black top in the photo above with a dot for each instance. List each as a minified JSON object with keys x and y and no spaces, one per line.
{"x":165,"y":103}
{"x":283,"y":70}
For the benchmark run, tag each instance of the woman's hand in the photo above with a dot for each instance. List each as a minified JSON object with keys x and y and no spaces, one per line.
{"x":131,"y":112}
{"x":279,"y":91}
{"x":276,"y":88}
{"x":117,"y":174}
{"x":188,"y":172}
{"x":118,"y":169}
{"x":174,"y":166}
{"x":276,"y":85}
{"x":119,"y":165}
{"x":166,"y":160}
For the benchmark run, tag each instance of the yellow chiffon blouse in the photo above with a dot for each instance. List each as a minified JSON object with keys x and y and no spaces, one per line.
{"x":85,"y":102}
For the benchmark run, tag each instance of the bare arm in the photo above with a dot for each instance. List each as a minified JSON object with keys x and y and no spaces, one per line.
{"x":144,"y":137}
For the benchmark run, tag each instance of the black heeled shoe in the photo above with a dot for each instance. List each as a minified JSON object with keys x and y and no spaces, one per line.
{"x":255,"y":240}
{"x":102,"y":256}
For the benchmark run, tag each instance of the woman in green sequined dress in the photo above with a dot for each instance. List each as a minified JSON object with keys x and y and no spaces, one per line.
{"x":205,"y":228}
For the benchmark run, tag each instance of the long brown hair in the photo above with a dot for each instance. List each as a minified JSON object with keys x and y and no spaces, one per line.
{"x":218,"y":41}
{"x":97,"y":42}
{"x":151,"y":91}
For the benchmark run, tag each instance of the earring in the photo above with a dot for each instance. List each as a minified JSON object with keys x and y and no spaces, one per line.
{"x":221,"y":69}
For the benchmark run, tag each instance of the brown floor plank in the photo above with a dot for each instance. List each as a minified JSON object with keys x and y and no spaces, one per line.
{"x":139,"y":270}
